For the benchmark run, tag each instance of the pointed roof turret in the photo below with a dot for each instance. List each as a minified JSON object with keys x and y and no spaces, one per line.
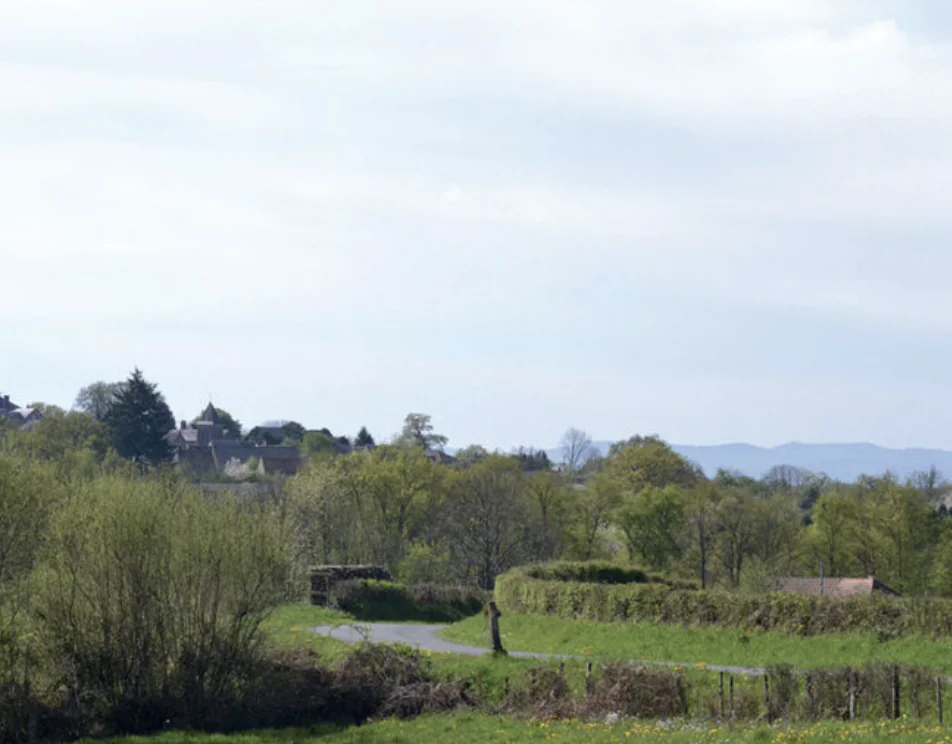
{"x":210,"y":415}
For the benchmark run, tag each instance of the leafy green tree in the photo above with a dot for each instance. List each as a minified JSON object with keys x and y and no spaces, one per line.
{"x":318,"y":443}
{"x":832,"y":537}
{"x":418,"y":432}
{"x":649,"y":461}
{"x":488,"y":519}
{"x":97,"y":398}
{"x":908,"y":530}
{"x":652,"y":520}
{"x":549,"y":498}
{"x":471,"y":455}
{"x":139,"y":420}
{"x":364,"y":439}
{"x":74,"y":443}
{"x":701,"y":506}
{"x":293,"y":432}
{"x":592,"y":506}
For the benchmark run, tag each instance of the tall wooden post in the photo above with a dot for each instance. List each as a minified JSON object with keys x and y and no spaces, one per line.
{"x":852,"y":693}
{"x":767,"y":710}
{"x":897,"y":711}
{"x":494,"y":615}
{"x":720,"y":690}
{"x":938,"y":697}
{"x":683,"y":697}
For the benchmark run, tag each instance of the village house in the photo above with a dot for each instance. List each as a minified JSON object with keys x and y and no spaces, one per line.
{"x":24,"y":417}
{"x":206,"y":446}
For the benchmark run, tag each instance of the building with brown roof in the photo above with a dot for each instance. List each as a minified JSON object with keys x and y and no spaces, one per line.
{"x":834,"y":587}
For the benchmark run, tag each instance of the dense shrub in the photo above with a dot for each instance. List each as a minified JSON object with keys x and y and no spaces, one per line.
{"x":794,"y":614}
{"x":151,"y":597}
{"x":367,"y":599}
{"x":598,"y":572}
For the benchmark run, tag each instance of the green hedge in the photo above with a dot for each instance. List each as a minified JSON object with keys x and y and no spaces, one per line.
{"x":598,"y":572}
{"x":367,"y":599}
{"x":795,"y":614}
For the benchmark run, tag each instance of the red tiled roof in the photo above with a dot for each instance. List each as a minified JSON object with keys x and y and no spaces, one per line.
{"x":832,"y":587}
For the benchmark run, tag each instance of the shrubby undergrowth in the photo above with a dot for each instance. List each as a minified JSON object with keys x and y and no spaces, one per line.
{"x":367,"y":599}
{"x":127,"y":600}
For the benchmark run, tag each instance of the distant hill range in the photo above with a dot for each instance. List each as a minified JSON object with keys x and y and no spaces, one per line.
{"x":844,"y":462}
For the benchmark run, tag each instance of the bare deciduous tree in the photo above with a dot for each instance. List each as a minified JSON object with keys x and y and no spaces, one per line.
{"x":576,"y":449}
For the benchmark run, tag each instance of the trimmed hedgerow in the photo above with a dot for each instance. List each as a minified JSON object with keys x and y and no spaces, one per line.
{"x":597,"y":572}
{"x":367,"y":599}
{"x":794,"y":614}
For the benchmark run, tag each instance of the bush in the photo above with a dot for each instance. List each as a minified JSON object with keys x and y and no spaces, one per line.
{"x":795,"y":614}
{"x":152,"y":596}
{"x":597,"y":572}
{"x":367,"y":599}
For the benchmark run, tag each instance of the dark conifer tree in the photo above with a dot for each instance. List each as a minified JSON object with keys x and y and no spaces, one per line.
{"x":138,"y":421}
{"x":363,"y":438}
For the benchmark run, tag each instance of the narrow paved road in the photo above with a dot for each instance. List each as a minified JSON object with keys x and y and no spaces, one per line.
{"x":424,"y":638}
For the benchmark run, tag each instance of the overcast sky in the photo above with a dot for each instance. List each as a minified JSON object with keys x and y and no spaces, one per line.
{"x":715,"y":220}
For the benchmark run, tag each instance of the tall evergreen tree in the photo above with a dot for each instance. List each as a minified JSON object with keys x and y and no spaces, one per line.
{"x":138,"y":421}
{"x":363,"y":438}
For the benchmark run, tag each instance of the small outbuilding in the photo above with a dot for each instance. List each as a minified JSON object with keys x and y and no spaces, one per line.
{"x":833,"y":587}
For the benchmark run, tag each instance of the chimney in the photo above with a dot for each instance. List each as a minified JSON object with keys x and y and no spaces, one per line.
{"x":184,"y":424}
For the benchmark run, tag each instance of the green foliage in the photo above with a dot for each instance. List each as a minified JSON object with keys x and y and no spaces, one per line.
{"x":418,"y":432}
{"x":795,"y":614}
{"x":150,"y":591}
{"x":317,"y":443}
{"x":592,"y":572}
{"x":389,"y":601}
{"x":652,"y":520}
{"x":74,"y":443}
{"x":649,"y":461}
{"x":97,"y":398}
{"x":138,"y":421}
{"x":424,"y":563}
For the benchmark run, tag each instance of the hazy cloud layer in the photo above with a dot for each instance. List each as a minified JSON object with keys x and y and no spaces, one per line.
{"x":712,"y":219}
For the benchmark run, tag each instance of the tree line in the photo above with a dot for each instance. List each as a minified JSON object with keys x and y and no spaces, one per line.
{"x":484,"y":512}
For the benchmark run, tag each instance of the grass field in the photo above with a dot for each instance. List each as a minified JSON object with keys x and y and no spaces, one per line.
{"x":478,"y":729}
{"x":705,"y":645}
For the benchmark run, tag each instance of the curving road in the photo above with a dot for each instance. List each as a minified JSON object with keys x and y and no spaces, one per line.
{"x":424,"y":638}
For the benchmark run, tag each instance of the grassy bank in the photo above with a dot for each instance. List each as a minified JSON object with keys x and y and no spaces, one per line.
{"x":547,"y":634}
{"x":477,"y":729}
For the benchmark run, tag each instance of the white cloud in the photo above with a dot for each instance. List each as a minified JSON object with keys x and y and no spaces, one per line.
{"x":478,"y":172}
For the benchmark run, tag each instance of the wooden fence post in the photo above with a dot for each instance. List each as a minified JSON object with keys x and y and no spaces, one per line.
{"x":811,"y":701}
{"x":588,"y":679}
{"x":852,"y":693}
{"x":683,"y":697}
{"x":897,"y":706}
{"x":938,"y":697}
{"x":721,"y":695}
{"x":732,"y":697}
{"x":494,"y":615}
{"x":767,"y":699}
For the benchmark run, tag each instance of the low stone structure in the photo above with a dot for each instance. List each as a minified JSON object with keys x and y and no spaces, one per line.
{"x":324,"y":578}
